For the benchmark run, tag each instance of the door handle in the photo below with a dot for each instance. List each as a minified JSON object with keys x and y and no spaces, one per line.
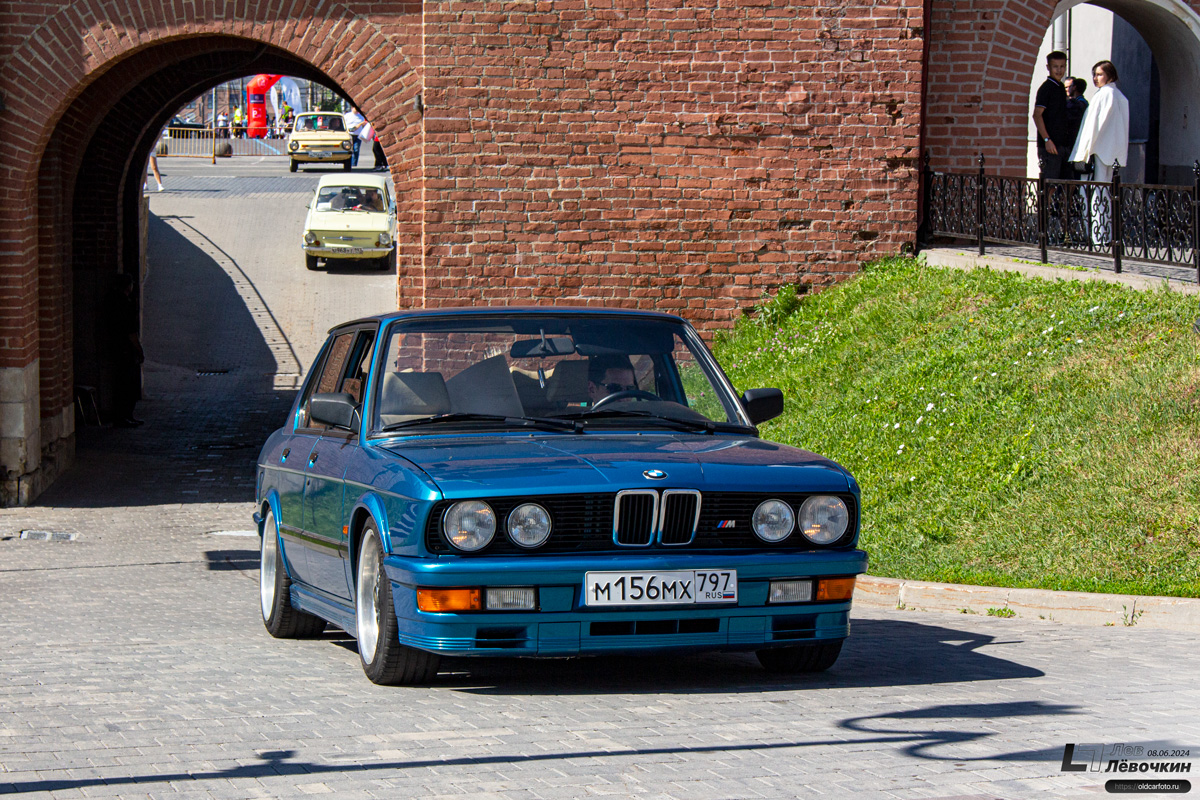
{"x":284,"y":455}
{"x":312,"y":459}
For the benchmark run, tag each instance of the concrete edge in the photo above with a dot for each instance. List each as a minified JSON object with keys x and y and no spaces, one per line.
{"x":1078,"y":608}
{"x":957,"y":259}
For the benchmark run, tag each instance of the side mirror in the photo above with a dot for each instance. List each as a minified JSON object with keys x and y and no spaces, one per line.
{"x":762,"y":404}
{"x":334,"y":408}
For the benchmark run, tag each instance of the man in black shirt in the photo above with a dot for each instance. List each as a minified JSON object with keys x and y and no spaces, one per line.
{"x":1050,"y":117}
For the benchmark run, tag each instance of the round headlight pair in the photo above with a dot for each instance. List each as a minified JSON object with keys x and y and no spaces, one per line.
{"x":346,"y":145}
{"x":293,"y":146}
{"x":310,"y":238}
{"x":384,"y":239}
{"x":470,"y":525}
{"x":823,"y":519}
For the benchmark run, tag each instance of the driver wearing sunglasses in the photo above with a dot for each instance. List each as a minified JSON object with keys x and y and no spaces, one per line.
{"x":608,"y":375}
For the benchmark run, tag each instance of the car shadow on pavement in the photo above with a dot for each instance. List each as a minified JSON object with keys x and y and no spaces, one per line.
{"x":880,"y":652}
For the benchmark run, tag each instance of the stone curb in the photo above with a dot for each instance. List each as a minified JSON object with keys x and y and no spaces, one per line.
{"x":1080,"y":608}
{"x":957,"y":259}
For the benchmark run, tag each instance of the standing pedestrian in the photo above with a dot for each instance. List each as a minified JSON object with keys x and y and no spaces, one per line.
{"x":1104,"y":132}
{"x":1050,"y":119}
{"x":157,"y":174}
{"x":355,"y":122}
{"x":381,"y":164}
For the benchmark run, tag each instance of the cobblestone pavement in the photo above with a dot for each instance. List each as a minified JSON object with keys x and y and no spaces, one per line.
{"x":137,"y":665}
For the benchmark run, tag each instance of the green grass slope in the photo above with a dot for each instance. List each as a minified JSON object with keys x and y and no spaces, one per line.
{"x":1005,"y":430}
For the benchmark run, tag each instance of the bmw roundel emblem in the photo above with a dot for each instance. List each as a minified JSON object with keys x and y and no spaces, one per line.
{"x":655,"y":474}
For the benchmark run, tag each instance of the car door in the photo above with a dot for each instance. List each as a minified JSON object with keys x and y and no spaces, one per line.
{"x":326,"y":536}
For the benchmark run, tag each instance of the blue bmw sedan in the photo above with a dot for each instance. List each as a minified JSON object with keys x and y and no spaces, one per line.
{"x":547,"y":482}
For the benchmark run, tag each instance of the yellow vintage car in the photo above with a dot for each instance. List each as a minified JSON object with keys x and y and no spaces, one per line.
{"x":351,"y":217}
{"x":320,"y":137}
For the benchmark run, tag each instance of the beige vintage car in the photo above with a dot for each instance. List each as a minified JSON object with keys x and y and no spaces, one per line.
{"x":351,"y":217}
{"x":320,"y":137}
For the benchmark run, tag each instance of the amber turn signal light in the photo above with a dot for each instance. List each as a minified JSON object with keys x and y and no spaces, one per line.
{"x":835,"y":589}
{"x":449,"y":599}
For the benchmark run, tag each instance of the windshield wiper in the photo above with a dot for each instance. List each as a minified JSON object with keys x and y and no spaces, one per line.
{"x":706,"y":425}
{"x":522,"y":422}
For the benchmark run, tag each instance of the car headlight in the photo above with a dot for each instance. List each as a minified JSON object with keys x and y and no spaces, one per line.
{"x":823,"y":519}
{"x":529,"y":525}
{"x":310,"y":238}
{"x":469,"y":525}
{"x":773,"y":520}
{"x":384,"y":240}
{"x":346,"y":145}
{"x":293,"y":146}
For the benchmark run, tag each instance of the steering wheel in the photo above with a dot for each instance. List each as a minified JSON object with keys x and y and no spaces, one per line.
{"x":628,"y":394}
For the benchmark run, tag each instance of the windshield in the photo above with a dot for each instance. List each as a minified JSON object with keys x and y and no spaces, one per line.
{"x":349,"y":198}
{"x":598,"y":372}
{"x":320,"y":122}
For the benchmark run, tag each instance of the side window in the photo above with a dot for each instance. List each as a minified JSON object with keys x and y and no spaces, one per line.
{"x":360,"y":365}
{"x":330,"y":377}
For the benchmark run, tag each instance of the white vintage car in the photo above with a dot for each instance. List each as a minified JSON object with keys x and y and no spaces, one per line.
{"x":320,"y":138}
{"x":351,"y":217}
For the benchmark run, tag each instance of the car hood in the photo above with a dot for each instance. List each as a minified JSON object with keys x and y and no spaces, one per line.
{"x":347,"y":221}
{"x":512,"y":465}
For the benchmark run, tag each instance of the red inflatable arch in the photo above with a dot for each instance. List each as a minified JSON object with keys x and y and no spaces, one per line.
{"x":256,"y":96}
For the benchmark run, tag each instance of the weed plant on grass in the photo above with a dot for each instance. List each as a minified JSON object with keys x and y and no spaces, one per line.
{"x":1005,"y":430}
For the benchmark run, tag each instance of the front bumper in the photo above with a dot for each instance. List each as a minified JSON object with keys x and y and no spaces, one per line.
{"x":338,"y":155}
{"x":345,"y":252}
{"x":564,"y":627}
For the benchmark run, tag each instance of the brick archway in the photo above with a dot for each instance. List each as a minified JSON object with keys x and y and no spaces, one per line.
{"x":92,"y":92}
{"x":984,"y":54}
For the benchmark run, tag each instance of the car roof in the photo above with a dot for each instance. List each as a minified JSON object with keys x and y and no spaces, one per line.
{"x":354,"y":179}
{"x":491,"y":311}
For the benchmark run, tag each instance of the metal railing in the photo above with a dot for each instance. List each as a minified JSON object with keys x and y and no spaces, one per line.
{"x":213,"y":144}
{"x":1149,"y":222}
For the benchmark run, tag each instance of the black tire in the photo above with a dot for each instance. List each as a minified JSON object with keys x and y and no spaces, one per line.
{"x":384,"y":659}
{"x":310,"y":261}
{"x":386,"y":263}
{"x":293,"y":166}
{"x":346,"y":165}
{"x":800,"y":658}
{"x":274,"y":587}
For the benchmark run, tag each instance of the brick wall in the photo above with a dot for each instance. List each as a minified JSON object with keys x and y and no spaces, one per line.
{"x":981,"y":60}
{"x":656,"y":154}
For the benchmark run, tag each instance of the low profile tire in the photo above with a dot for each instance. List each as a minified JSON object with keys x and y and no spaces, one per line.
{"x":282,"y":621}
{"x":801,"y":658}
{"x":292,"y":167}
{"x":384,"y":659}
{"x":310,"y":261}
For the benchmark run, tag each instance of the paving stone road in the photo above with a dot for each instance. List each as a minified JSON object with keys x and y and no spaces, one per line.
{"x":137,"y":665}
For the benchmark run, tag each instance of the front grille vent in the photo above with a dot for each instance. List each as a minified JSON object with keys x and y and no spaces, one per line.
{"x":680,"y":514}
{"x":635,"y":518}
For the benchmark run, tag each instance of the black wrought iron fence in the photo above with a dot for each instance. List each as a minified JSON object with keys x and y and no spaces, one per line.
{"x":1148,"y":222}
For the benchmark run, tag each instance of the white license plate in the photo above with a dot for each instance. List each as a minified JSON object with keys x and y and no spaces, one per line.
{"x":660,"y":588}
{"x":350,"y":251}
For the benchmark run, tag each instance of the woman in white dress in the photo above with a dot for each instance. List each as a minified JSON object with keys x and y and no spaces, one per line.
{"x":1103,"y":139}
